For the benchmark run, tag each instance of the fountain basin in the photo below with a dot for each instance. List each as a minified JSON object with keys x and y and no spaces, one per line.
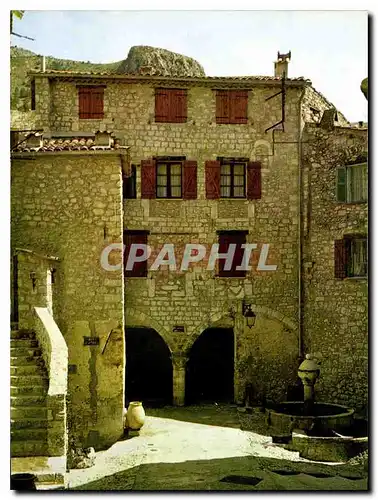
{"x":284,"y":417}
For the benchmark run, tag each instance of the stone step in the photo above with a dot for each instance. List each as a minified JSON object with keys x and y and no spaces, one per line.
{"x":28,"y":400}
{"x":22,"y":334}
{"x":29,"y":448}
{"x":24,"y":343}
{"x":24,"y":412}
{"x":25,"y":351}
{"x":30,"y":380}
{"x":33,"y":434}
{"x":26,"y":360}
{"x":29,"y":390}
{"x":28,"y":423}
{"x":28,"y":370}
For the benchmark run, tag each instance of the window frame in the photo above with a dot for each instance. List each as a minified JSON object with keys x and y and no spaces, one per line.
{"x":169,"y":163}
{"x":347,"y":182}
{"x":98,"y":115}
{"x":232,"y":162}
{"x":130,"y":184}
{"x":173,"y":95}
{"x":349,"y":241}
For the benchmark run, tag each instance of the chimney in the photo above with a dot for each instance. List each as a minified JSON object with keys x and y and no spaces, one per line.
{"x":43,"y":64}
{"x":281,"y":65}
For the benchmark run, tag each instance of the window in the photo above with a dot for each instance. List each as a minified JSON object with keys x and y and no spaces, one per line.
{"x":168,"y":181}
{"x":91,"y":102}
{"x":129,"y":184}
{"x":232,"y":106}
{"x":225,"y":239}
{"x":32,"y":91}
{"x":232,"y":181}
{"x":171,"y":105}
{"x":139,"y":269}
{"x":351,"y":257}
{"x":352,"y":183}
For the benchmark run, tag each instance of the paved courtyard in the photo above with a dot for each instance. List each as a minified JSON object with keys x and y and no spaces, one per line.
{"x":203,"y":448}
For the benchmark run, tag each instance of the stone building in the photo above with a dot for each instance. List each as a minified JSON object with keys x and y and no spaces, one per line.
{"x":199,"y":160}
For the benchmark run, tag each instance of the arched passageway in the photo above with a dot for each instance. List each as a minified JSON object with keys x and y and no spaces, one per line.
{"x":148,"y":375}
{"x":210,"y":367}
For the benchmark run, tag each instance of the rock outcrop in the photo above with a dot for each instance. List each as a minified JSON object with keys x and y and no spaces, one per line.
{"x":145,"y":60}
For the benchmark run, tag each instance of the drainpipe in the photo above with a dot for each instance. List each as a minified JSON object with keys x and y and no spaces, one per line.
{"x":300,"y":231}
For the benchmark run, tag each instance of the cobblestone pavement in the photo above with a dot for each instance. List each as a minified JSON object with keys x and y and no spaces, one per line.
{"x":203,"y":448}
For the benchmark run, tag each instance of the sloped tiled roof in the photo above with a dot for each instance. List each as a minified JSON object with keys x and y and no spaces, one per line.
{"x":68,"y":144}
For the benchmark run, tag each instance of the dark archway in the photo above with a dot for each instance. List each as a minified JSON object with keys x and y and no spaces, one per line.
{"x":210,"y":368}
{"x":149,"y":371}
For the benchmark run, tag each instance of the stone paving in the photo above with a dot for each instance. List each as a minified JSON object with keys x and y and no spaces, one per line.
{"x":203,"y":448}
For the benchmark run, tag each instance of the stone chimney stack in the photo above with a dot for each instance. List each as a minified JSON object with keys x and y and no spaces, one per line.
{"x":281,"y":65}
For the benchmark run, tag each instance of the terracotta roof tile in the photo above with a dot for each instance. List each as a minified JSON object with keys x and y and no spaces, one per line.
{"x":69,"y":144}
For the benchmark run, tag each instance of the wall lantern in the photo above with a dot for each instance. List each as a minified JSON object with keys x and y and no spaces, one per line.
{"x":249,"y":314}
{"x":33,"y":278}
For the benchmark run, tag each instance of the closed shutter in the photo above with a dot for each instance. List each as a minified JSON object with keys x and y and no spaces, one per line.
{"x":340,"y":259}
{"x":212,"y":175}
{"x":97,"y":103}
{"x":341,"y":184}
{"x":190,"y":180}
{"x":225,"y":239}
{"x":139,"y":269}
{"x":148,"y":178}
{"x":178,"y":106}
{"x":254,"y":180}
{"x":162,"y":105}
{"x":223,"y":106}
{"x":238,"y":107}
{"x":84,"y":103}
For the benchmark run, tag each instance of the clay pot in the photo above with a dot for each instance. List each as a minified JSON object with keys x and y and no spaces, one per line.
{"x":135,"y":415}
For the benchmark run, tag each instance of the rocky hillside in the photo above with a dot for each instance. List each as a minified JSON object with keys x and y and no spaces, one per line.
{"x":140,"y":60}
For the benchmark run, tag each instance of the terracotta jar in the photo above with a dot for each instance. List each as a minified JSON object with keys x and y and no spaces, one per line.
{"x":135,"y":415}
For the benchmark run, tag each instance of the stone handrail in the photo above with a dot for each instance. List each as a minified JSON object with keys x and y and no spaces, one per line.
{"x":55,"y":354}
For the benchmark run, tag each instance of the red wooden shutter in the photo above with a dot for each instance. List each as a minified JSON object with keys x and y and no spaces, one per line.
{"x":225,"y":239}
{"x":190,"y":180}
{"x":148,"y":177}
{"x":162,"y":105}
{"x":139,"y":268}
{"x":178,"y":106}
{"x":84,"y":103}
{"x":239,"y":106}
{"x":223,"y":106}
{"x":340,"y":259}
{"x":254,"y":180}
{"x":97,"y":103}
{"x":212,"y":174}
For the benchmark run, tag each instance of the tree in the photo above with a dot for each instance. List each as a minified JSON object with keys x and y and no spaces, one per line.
{"x":364,"y":87}
{"x":19,"y":14}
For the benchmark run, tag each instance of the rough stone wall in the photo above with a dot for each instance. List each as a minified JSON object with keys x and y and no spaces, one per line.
{"x":70,"y":206}
{"x":313,"y":100}
{"x":335,"y":310}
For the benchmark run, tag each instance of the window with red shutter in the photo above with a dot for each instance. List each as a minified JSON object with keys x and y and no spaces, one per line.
{"x":351,"y":257}
{"x":190,"y":180}
{"x":139,"y":269}
{"x":225,"y":239}
{"x":232,"y":106}
{"x":254,"y":180}
{"x":148,"y":179}
{"x":212,"y":179}
{"x":171,"y":105}
{"x":91,"y":102}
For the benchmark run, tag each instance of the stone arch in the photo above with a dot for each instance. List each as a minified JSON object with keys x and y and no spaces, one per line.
{"x":139,"y":318}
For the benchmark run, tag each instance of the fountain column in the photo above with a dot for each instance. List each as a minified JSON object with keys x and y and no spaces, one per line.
{"x":308,"y":372}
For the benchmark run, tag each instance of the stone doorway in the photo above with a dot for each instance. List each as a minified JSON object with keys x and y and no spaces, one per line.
{"x":210,"y":368}
{"x":148,"y":376}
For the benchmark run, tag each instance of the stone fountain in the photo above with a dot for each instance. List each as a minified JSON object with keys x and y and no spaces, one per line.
{"x":319,"y":431}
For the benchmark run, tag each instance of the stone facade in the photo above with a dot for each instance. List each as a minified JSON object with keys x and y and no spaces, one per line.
{"x":70,"y":223}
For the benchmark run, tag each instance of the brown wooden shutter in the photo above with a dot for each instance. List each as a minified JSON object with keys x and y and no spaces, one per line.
{"x":225,"y":238}
{"x":254,"y":180}
{"x":178,"y":106}
{"x":97,"y":103}
{"x":340,"y":259}
{"x":223,"y":106}
{"x":148,"y":177}
{"x":239,"y":106}
{"x":84,"y":103}
{"x":212,"y":174}
{"x":162,"y":105}
{"x":190,"y":180}
{"x":139,"y":268}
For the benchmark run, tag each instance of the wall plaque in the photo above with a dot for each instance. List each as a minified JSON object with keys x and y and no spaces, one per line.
{"x":91,"y":340}
{"x":179,"y":328}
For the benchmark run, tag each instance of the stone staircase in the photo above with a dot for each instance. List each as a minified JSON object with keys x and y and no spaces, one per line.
{"x":29,"y":385}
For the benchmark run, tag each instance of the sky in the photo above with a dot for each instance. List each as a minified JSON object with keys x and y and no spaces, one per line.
{"x":328,"y":47}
